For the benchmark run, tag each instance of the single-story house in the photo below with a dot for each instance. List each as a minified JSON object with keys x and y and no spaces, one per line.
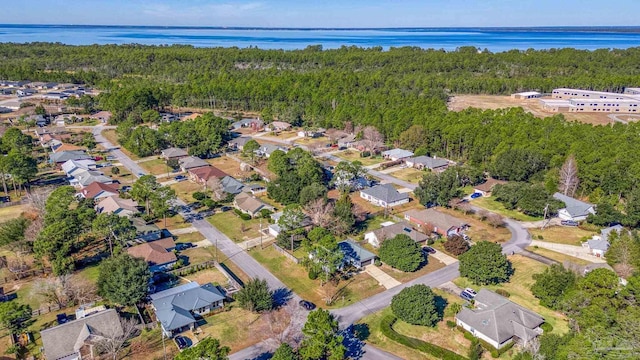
{"x":526,"y":95}
{"x":346,"y":141}
{"x":599,"y":244}
{"x":168,"y":117}
{"x":54,"y":95}
{"x":72,"y":165}
{"x":158,"y":254}
{"x":231,"y":186}
{"x":249,"y":205}
{"x":436,"y":221}
{"x":267,"y":149}
{"x":84,"y":178}
{"x":64,"y":156}
{"x":53,"y":130}
{"x":497,"y":320}
{"x":191,"y":162}
{"x":384,"y":195}
{"x":77,"y":339}
{"x":202,"y":174}
{"x":256,"y":189}
{"x":426,"y":162}
{"x":103,"y":116}
{"x":117,"y":205}
{"x":174,"y":153}
{"x":311,"y":133}
{"x":274,"y":229}
{"x":486,"y":187}
{"x":26,"y":92}
{"x":255,"y":124}
{"x":177,"y":308}
{"x":239,"y":142}
{"x":278,"y":126}
{"x":377,"y":236}
{"x":397,"y":154}
{"x":574,"y":209}
{"x":66,"y":147}
{"x":97,"y":190}
{"x":355,"y":255}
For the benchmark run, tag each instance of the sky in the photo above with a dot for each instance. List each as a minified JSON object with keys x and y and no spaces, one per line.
{"x":325,"y":13}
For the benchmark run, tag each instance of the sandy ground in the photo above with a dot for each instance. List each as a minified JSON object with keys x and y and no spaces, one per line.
{"x":461,"y":102}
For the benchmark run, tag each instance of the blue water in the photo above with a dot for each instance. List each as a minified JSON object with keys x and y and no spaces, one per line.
{"x":494,"y":39}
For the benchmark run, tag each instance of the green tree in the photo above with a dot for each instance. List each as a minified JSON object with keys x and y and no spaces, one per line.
{"x":112,"y":228}
{"x":518,"y":164}
{"x":12,"y":231}
{"x":255,"y":296}
{"x":439,"y":188}
{"x":161,"y":200}
{"x":150,"y":116}
{"x":551,"y":285}
{"x":206,"y":349}
{"x":312,"y":192}
{"x":115,"y":170}
{"x":15,"y":317}
{"x":284,"y":352}
{"x":606,"y":215}
{"x":327,"y":257}
{"x":292,"y":218}
{"x":344,"y":216}
{"x":249,"y":149}
{"x":413,"y":138}
{"x":417,"y":305}
{"x":89,"y":141}
{"x":123,"y":279}
{"x":484,"y":264}
{"x":14,"y":139}
{"x":143,"y":190}
{"x":346,"y":174}
{"x":22,"y":167}
{"x":456,"y":245}
{"x":321,"y":337}
{"x":402,"y":253}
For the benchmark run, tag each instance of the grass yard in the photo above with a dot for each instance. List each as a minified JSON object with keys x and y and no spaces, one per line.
{"x":112,"y":137}
{"x":199,"y":255}
{"x":479,"y":230}
{"x":490,"y":204}
{"x":409,"y":174}
{"x":353,"y":155}
{"x":232,"y":226}
{"x":174,"y":222}
{"x":432,"y":265}
{"x":90,"y":273}
{"x":185,"y":189}
{"x":211,"y":275}
{"x":562,"y":235}
{"x":11,"y":212}
{"x":149,"y":346}
{"x":228,"y":165}
{"x":124,"y":177}
{"x":519,"y":288}
{"x":559,"y":257}
{"x":155,"y":166}
{"x":189,"y":238}
{"x":295,"y":277}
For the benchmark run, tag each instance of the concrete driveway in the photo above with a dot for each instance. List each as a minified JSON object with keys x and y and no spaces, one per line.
{"x":381,"y":277}
{"x":571,"y":250}
{"x":444,"y":258}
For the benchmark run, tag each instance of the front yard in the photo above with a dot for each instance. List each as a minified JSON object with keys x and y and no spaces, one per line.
{"x":155,"y":166}
{"x":490,"y":204}
{"x":112,"y":137}
{"x":432,"y":265}
{"x":185,"y":189}
{"x":519,"y":288}
{"x":559,"y":257}
{"x":354,"y":155}
{"x":562,"y":235}
{"x":480,"y":230}
{"x":409,"y":174}
{"x":236,"y":228}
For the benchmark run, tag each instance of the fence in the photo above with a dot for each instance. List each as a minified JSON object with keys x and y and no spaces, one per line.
{"x":230,"y":276}
{"x":14,"y":203}
{"x":24,"y":275}
{"x":190,"y":269}
{"x":286,"y":253}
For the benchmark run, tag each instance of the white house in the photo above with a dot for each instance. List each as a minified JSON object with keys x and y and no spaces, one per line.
{"x":574,"y":209}
{"x":599,"y":244}
{"x":391,"y":230}
{"x":397,"y":154}
{"x":384,"y":195}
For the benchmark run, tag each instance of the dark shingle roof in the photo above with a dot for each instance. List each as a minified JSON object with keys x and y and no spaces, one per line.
{"x":386,"y":193}
{"x":574,"y":207}
{"x":174,"y":306}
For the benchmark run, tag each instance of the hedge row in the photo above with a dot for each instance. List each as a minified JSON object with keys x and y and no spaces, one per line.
{"x":495,"y":353}
{"x":386,"y":327}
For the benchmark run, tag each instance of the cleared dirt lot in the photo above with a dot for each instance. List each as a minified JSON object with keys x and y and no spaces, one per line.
{"x":492,"y":102}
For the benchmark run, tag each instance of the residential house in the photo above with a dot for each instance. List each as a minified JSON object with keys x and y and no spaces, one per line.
{"x":84,"y":178}
{"x":158,"y":254}
{"x":436,"y":221}
{"x":389,"y":231}
{"x":256,"y":189}
{"x":66,"y":147}
{"x":425,"y":162}
{"x":55,"y":96}
{"x":26,"y":92}
{"x":191,"y":162}
{"x":249,"y":205}
{"x":599,"y":244}
{"x":238,"y":143}
{"x":275,"y":229}
{"x":174,"y":153}
{"x":178,"y":308}
{"x":169,"y":117}
{"x":117,"y":205}
{"x":486,"y":187}
{"x":278,"y":126}
{"x":202,"y":174}
{"x":52,"y":130}
{"x":103,"y":116}
{"x":97,"y":190}
{"x":267,"y":149}
{"x":255,"y":124}
{"x":497,"y":320}
{"x":312,"y":133}
{"x":347,"y":141}
{"x":574,"y":209}
{"x":72,"y":165}
{"x":61,"y":157}
{"x":79,"y":339}
{"x":355,"y":255}
{"x":230,"y":185}
{"x":384,"y":195}
{"x":397,"y":154}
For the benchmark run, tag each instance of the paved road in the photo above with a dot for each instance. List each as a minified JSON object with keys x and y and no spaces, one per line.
{"x":135,"y":169}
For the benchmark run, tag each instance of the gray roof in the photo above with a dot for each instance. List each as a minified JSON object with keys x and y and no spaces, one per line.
{"x":604,"y":233}
{"x":398,"y":153}
{"x":355,"y":252}
{"x":574,"y":207}
{"x":191,"y":162}
{"x":240,"y":141}
{"x":268,"y":149}
{"x":388,"y":232}
{"x":429,"y":162}
{"x":68,"y":155}
{"x":174,"y":152}
{"x":174,"y":306}
{"x":598,"y":244}
{"x":386,"y":193}
{"x":67,"y":339}
{"x":500,"y":319}
{"x":86,"y":177}
{"x":230,"y":185}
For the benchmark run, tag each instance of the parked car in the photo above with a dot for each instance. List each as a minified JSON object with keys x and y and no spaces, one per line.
{"x":5,"y":199}
{"x":98,"y":158}
{"x":180,"y":178}
{"x":308,"y":305}
{"x":182,"y":342}
{"x":569,"y":223}
{"x":184,"y":246}
{"x":429,"y":250}
{"x":465,"y":295}
{"x":475,"y":195}
{"x":471,"y":291}
{"x":61,"y":318}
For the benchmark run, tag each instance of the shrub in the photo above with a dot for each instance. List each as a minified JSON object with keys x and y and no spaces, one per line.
{"x":416,"y":305}
{"x":255,"y":296}
{"x":365,"y":154}
{"x":451,"y":324}
{"x":265,"y":213}
{"x":377,"y":262}
{"x":503,"y":292}
{"x":546,"y":327}
{"x":456,"y":245}
{"x":401,"y":253}
{"x":313,"y":274}
{"x":475,"y":350}
{"x":199,"y":196}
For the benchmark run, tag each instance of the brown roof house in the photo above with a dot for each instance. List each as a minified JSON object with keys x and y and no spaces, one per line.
{"x":389,"y":231}
{"x":158,"y":254}
{"x":97,"y":190}
{"x":117,"y":205}
{"x":202,"y":174}
{"x":191,"y":162}
{"x":249,"y":205}
{"x":174,"y":153}
{"x":436,"y":221}
{"x":81,"y":338}
{"x":486,"y":187}
{"x":497,"y":320}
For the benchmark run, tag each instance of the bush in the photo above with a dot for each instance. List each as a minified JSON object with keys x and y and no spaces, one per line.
{"x":503,"y":292}
{"x":313,"y":274}
{"x":377,"y":262}
{"x":416,"y":305}
{"x":255,"y":296}
{"x":451,"y":324}
{"x":199,"y":196}
{"x":365,"y":154}
{"x":546,"y":327}
{"x":265,"y":213}
{"x":456,"y":245}
{"x":386,"y":327}
{"x":401,"y":253}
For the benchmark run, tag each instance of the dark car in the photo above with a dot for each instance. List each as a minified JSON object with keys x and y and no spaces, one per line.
{"x":61,"y":318}
{"x":184,"y":246}
{"x":307,"y":304}
{"x":465,"y":295}
{"x":180,"y":178}
{"x":5,"y":199}
{"x":475,"y":195}
{"x":569,"y":223}
{"x":429,"y":249}
{"x":181,"y":342}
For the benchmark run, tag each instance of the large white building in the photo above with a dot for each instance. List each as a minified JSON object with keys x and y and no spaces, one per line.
{"x":576,"y":100}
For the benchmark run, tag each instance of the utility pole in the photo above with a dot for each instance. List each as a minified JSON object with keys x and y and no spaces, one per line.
{"x":544,"y":219}
{"x":260,"y":233}
{"x":217,"y":250}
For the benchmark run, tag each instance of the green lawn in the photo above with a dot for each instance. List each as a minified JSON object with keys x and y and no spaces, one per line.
{"x":235,"y":228}
{"x":112,"y":137}
{"x":432,"y":265}
{"x":519,"y":287}
{"x":90,"y":273}
{"x":185,"y":189}
{"x":559,"y":257}
{"x":235,"y":327}
{"x":353,"y":155}
{"x":155,"y":166}
{"x":11,"y":212}
{"x":490,"y":204}
{"x":295,"y":277}
{"x":409,"y":174}
{"x":190,"y":237}
{"x":562,"y":235}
